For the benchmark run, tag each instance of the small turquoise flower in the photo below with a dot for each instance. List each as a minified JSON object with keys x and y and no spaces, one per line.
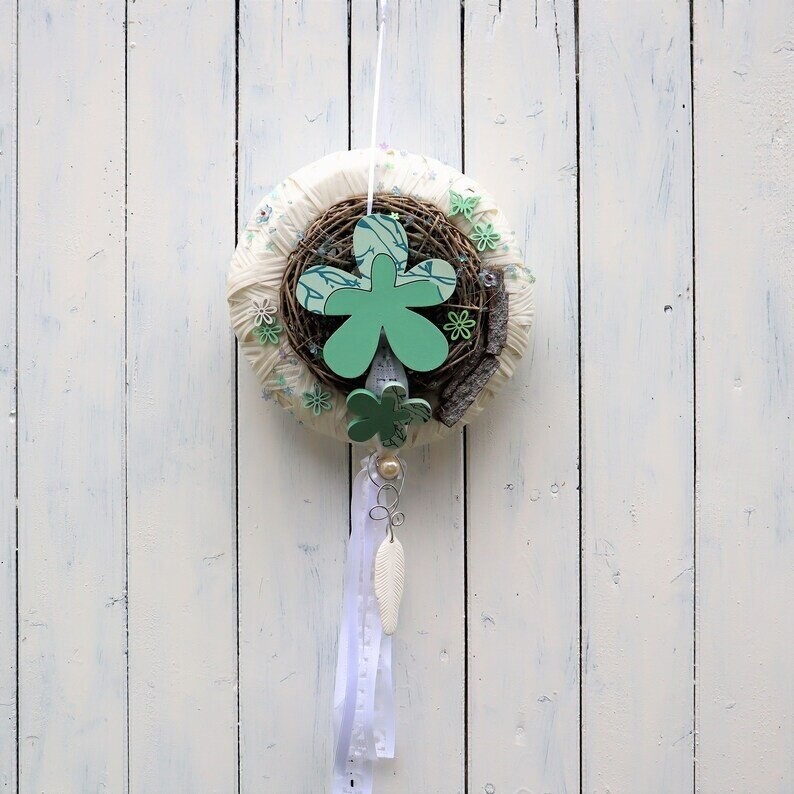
{"x":268,"y":334}
{"x":263,"y":216}
{"x":459,"y":325}
{"x":485,"y":236}
{"x":317,"y":400}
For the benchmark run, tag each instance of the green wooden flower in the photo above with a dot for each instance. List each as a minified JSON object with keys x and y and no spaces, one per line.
{"x":387,"y":417}
{"x":462,"y":205}
{"x":459,"y":325}
{"x":317,"y":400}
{"x":268,"y":334}
{"x":485,"y":236}
{"x":381,"y":297}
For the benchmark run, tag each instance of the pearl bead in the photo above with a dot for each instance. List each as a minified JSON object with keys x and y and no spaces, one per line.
{"x":388,"y":467}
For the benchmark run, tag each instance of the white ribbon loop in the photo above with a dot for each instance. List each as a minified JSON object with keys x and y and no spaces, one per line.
{"x":375,"y":106}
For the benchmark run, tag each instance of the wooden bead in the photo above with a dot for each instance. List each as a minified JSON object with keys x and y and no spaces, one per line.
{"x":388,"y":467}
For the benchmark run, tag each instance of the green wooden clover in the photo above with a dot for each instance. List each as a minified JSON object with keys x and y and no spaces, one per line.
{"x":381,"y":297}
{"x":387,"y":417}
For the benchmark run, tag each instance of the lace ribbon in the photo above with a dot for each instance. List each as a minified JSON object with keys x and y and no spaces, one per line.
{"x":363,"y":695}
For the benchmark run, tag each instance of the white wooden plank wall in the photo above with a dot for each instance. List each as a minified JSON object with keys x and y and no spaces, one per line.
{"x":637,"y":393}
{"x":523,"y":501}
{"x":8,"y":423}
{"x":744,"y":95}
{"x":180,"y":439}
{"x":71,"y":604}
{"x":293,"y":495}
{"x":600,"y":571}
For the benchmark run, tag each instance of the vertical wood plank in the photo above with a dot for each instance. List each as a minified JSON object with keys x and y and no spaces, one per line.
{"x":421,"y":112}
{"x":72,"y":605}
{"x":181,"y":192}
{"x":293,"y":484}
{"x":8,"y":397}
{"x":637,"y":392}
{"x":745,"y":395}
{"x":523,"y":499}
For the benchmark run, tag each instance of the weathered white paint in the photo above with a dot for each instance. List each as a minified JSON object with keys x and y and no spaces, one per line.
{"x":182,"y":556}
{"x":637,"y":387}
{"x":72,"y":606}
{"x":292,"y":485}
{"x":523,"y":502}
{"x":184,"y":456}
{"x":421,"y":112}
{"x":744,"y":95}
{"x":8,"y":401}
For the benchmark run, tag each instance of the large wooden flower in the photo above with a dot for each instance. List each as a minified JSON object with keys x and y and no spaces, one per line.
{"x":381,"y":297}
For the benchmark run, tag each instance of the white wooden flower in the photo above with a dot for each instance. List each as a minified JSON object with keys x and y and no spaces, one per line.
{"x":263,"y":311}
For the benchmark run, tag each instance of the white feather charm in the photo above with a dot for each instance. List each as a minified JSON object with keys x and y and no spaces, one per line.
{"x":389,"y":581}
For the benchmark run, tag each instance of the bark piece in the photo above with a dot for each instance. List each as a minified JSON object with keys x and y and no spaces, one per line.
{"x":497,"y":322}
{"x":451,"y":411}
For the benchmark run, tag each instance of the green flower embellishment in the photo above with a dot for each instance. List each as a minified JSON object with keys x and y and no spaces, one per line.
{"x":317,"y":400}
{"x":485,"y":236}
{"x":268,"y":334}
{"x":380,"y":298}
{"x":387,"y":417}
{"x":462,"y":205}
{"x":459,"y":325}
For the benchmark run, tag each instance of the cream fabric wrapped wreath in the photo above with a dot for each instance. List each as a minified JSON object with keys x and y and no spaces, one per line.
{"x":279,"y":223}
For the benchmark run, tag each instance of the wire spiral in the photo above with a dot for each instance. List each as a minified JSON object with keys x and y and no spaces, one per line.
{"x":388,"y":496}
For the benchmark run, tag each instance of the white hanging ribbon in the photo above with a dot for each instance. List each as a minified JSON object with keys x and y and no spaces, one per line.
{"x":375,"y":105}
{"x":363,"y":696}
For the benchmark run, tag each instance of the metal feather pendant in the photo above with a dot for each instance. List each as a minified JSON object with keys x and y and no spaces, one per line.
{"x":389,"y":581}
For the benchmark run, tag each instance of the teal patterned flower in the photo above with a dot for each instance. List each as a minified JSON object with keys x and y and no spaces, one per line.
{"x":462,"y":205}
{"x":268,"y":334}
{"x":459,"y":325}
{"x":382,"y":296}
{"x":387,"y":416}
{"x":485,"y":236}
{"x":317,"y":400}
